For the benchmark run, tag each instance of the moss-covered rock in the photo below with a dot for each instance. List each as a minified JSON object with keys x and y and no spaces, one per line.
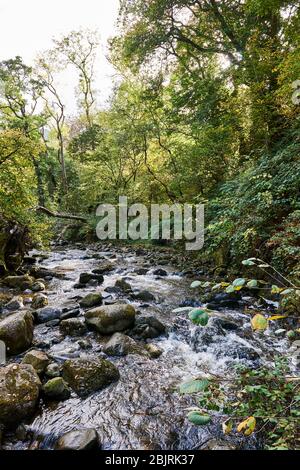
{"x":111,"y":318}
{"x":86,"y":376}
{"x":16,"y":331}
{"x":57,"y":389}
{"x":37,"y":359}
{"x":91,"y":300}
{"x":19,"y":393}
{"x":19,"y":282}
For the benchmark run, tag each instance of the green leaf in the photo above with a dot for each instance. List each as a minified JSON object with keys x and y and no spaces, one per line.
{"x":252,"y":284}
{"x":248,"y":262}
{"x":196,"y":284}
{"x":239,"y":282}
{"x":230,"y":290}
{"x":199,"y":317}
{"x":193,"y":386}
{"x":198,"y":419}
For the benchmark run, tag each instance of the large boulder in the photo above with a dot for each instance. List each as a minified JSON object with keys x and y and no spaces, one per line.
{"x":148,"y":327}
{"x":19,"y":282}
{"x":111,"y":318}
{"x":86,"y":376}
{"x":37,"y":359}
{"x":80,"y":439}
{"x":121,"y":345}
{"x":19,"y":393}
{"x":16,"y":331}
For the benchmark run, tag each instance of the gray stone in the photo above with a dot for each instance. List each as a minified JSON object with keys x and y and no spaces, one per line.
{"x":144,"y":295}
{"x":38,"y":287}
{"x":53,"y":370}
{"x":121,"y":345}
{"x":73,"y":327}
{"x":57,"y":389}
{"x":16,"y":331}
{"x":39,"y":301}
{"x":80,"y":439}
{"x":47,"y":314}
{"x":19,"y":393}
{"x":15,"y":304}
{"x":37,"y":359}
{"x":86,"y":376}
{"x":111,"y":318}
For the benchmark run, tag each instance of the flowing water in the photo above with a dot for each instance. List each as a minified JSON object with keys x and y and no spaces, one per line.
{"x":143,"y":410}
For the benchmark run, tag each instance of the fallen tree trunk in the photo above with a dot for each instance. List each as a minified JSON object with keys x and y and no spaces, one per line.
{"x":61,"y":216}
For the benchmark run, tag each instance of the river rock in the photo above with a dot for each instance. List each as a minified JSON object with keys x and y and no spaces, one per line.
{"x":57,"y":389}
{"x":160,"y":272}
{"x":85,"y":278}
{"x":111,"y":318}
{"x":72,"y":313}
{"x":53,"y":370}
{"x":16,"y":331}
{"x":144,"y":296}
{"x":104,"y":268}
{"x":91,"y":300}
{"x":80,"y":439}
{"x":39,"y":301}
{"x":86,"y":376}
{"x":19,"y":393}
{"x":38,"y":287}
{"x":37,"y":359}
{"x":16,"y":303}
{"x":19,"y":282}
{"x":47,"y":314}
{"x":141,"y":271}
{"x":153,"y":350}
{"x":73,"y":327}
{"x":148,"y":327}
{"x":123,"y":285}
{"x":121,"y":345}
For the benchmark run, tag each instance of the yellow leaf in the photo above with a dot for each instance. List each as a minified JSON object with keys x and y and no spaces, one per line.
{"x":227,"y":427}
{"x":259,"y":322}
{"x":248,"y":426}
{"x":277,"y":317}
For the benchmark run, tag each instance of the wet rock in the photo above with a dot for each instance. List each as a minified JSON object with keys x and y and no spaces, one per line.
{"x":111,"y":318}
{"x":72,"y":313}
{"x":37,"y":359}
{"x":53,"y":370}
{"x":19,"y":393}
{"x":39,"y":301}
{"x":73,"y":327}
{"x":148,"y":327}
{"x":144,"y":296}
{"x":160,"y":272}
{"x":111,"y":290}
{"x":225,"y":323}
{"x":15,"y":304}
{"x":86,"y":376}
{"x":223,"y":300}
{"x":280,"y":332}
{"x":215,"y":444}
{"x":104,"y":268}
{"x":123,"y":285}
{"x":85,"y":278}
{"x":121,"y":345}
{"x":91,"y":300}
{"x":19,"y":282}
{"x":57,"y":389}
{"x":238,"y":351}
{"x":153,"y":350}
{"x":141,"y":271}
{"x":80,"y":439}
{"x":16,"y":331}
{"x":79,"y":286}
{"x":38,"y":287}
{"x":47,"y":314}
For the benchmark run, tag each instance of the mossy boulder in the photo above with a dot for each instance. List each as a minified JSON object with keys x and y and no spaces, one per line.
{"x":19,"y":282}
{"x":111,"y":318}
{"x":91,"y":300}
{"x":86,"y":376}
{"x":57,"y":389}
{"x":16,"y":331}
{"x":19,"y":393}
